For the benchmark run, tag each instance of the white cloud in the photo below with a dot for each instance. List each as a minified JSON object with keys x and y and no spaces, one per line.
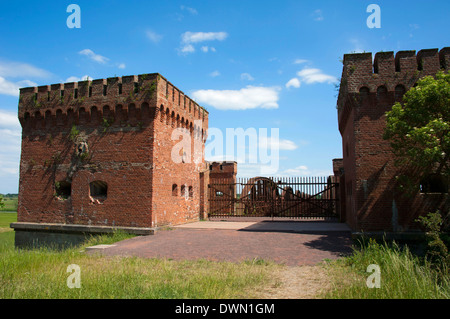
{"x":250,"y":97}
{"x":188,"y":38}
{"x":293,"y":83}
{"x":121,"y":66}
{"x":207,"y":48}
{"x":153,"y":36}
{"x":247,"y":77}
{"x":9,"y":120}
{"x":300,"y":61}
{"x":93,"y":56}
{"x":274,"y":143}
{"x":195,"y":37}
{"x":10,"y":130}
{"x":189,"y":48}
{"x":12,"y":88}
{"x":77,"y":79}
{"x":18,"y":69}
{"x":311,"y":75}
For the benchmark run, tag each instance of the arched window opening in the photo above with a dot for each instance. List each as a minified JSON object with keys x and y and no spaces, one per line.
{"x":174,"y":190}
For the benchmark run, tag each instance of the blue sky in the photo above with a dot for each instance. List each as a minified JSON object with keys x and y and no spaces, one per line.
{"x":252,"y":64}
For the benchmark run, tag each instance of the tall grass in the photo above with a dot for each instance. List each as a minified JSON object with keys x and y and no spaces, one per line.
{"x":403,"y":275}
{"x":42,"y":273}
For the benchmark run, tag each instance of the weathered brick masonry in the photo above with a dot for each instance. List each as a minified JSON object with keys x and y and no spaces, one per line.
{"x":100,"y":153}
{"x":367,"y":91}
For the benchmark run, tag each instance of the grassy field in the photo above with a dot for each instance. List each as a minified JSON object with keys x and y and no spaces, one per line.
{"x":10,"y":203}
{"x":402,"y":275}
{"x":42,"y":273}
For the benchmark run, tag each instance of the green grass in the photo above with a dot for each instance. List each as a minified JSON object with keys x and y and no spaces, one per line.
{"x":10,"y":204}
{"x":403,"y":275}
{"x":42,"y":273}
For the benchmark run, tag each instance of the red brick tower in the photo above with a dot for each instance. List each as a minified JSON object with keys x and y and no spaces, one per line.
{"x":367,"y":91}
{"x":100,"y":153}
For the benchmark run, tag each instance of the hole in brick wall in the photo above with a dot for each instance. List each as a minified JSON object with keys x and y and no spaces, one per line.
{"x":105,"y":87}
{"x":61,"y":93}
{"x":48,"y":96}
{"x":120,"y":88}
{"x":75,"y":93}
{"x":90,"y":91}
{"x":136,"y":88}
{"x":167,"y":116}
{"x":419,"y":64}
{"x":161,"y":113}
{"x":433,"y":183}
{"x":63,"y":190}
{"x":174,"y":190}
{"x":98,"y":190}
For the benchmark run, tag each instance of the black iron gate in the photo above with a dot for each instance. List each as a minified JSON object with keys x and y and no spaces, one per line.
{"x":295,"y":197}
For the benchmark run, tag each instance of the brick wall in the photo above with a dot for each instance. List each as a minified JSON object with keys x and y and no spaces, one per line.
{"x":108,"y":136}
{"x":367,"y":91}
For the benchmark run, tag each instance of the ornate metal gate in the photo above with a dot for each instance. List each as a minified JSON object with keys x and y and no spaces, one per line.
{"x":297,"y":197}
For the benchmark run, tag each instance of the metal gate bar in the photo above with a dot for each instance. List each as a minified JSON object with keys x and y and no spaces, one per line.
{"x":293,"y":197}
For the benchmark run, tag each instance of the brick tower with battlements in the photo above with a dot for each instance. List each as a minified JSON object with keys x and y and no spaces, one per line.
{"x":106,"y":153}
{"x":368,"y":89}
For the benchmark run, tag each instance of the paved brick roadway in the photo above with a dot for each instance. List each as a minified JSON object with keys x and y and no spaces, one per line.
{"x":292,"y":244}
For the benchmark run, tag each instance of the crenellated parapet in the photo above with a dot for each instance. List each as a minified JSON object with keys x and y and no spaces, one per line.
{"x":127,"y":100}
{"x":387,"y":74}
